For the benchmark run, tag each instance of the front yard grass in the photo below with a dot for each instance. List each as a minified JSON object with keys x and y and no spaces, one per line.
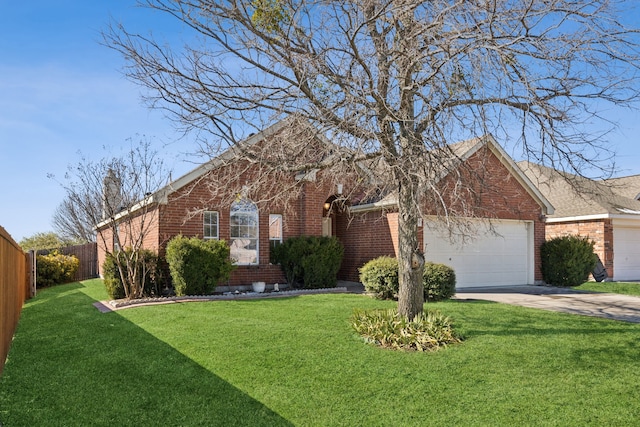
{"x":612,"y":287}
{"x":296,"y":361}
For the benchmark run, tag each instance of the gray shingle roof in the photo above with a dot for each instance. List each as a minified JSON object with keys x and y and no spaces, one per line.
{"x":575,"y":196}
{"x":627,"y":186}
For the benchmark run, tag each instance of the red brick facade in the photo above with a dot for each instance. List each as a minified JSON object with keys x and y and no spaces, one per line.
{"x":499,"y":196}
{"x":496,"y":193}
{"x":599,"y":230}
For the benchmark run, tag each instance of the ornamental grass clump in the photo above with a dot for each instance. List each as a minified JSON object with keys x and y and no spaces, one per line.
{"x":428,"y":331}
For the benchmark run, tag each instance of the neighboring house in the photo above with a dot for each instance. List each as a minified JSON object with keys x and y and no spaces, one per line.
{"x":608,"y":212}
{"x":508,"y":208}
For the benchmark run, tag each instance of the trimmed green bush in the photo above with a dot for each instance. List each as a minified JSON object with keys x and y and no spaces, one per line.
{"x":380,"y":278}
{"x":439,"y":282}
{"x":111,"y":278}
{"x":198,"y":266}
{"x":310,"y":262}
{"x":149,"y":273}
{"x":55,"y":269}
{"x":386,"y":328}
{"x":567,"y":260}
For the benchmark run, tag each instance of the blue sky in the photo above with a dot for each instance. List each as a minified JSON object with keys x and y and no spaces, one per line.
{"x":62,"y":92}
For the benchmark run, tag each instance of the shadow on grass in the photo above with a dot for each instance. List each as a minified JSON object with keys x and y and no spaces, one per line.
{"x":72,"y":365}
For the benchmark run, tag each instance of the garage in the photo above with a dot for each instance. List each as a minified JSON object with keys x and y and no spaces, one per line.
{"x":626,"y":253}
{"x":499,"y":255}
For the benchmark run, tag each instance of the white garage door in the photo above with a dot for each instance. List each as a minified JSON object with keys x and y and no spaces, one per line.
{"x":626,"y":253}
{"x":502,"y":258}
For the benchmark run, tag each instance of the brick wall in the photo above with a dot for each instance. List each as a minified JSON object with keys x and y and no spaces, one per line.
{"x":142,"y":231}
{"x":600,"y":231}
{"x":183,"y":214}
{"x":485,"y":188}
{"x":365,"y":236}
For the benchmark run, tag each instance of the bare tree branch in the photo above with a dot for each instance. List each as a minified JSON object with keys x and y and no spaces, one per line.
{"x":392,"y":82}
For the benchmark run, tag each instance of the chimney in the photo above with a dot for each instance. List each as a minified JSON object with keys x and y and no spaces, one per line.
{"x":111,"y":195}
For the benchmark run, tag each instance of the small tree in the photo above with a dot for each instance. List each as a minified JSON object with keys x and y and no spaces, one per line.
{"x":42,"y":240}
{"x":124,"y":184}
{"x":70,"y":220}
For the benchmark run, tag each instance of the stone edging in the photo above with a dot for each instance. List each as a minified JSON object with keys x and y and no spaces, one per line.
{"x":121,"y":304}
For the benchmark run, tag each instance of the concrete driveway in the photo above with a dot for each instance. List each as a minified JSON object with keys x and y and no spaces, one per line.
{"x":609,"y":306}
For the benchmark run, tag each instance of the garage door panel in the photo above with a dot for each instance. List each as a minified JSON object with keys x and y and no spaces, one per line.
{"x":489,"y":260}
{"x":626,"y":253}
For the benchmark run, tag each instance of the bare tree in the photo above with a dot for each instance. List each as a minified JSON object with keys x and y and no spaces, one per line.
{"x":392,"y":83}
{"x":113,"y":197}
{"x":71,"y":222}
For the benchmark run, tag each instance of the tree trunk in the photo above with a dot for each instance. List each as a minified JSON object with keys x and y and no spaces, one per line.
{"x":410,"y":257}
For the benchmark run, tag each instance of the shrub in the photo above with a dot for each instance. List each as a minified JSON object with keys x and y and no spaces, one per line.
{"x":380,"y":277}
{"x":55,"y":268}
{"x":386,"y":328}
{"x":439,"y":282}
{"x":197,"y":266}
{"x":148,"y":270}
{"x":111,"y":278}
{"x":567,"y":260}
{"x":310,"y":262}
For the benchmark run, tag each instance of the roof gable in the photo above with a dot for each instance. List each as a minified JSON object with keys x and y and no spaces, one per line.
{"x":461,"y":152}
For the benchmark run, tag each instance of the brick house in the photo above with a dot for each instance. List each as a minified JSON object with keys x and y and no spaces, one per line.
{"x":608,"y":212}
{"x":505,"y":221}
{"x":505,"y":251}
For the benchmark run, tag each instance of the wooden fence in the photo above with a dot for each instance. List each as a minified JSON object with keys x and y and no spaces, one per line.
{"x":88,"y":256}
{"x":15,"y":288}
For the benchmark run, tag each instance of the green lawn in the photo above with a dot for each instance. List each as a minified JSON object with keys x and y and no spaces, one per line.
{"x":612,"y":287}
{"x":295,"y":361}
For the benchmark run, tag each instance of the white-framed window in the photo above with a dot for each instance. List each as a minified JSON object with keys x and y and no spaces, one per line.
{"x":275,"y":228}
{"x":243,"y":220}
{"x":275,"y":231}
{"x":210,"y":225}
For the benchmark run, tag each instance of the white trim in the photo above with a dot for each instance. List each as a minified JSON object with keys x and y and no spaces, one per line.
{"x":385,"y":203}
{"x":631,"y":218}
{"x":127,"y":212}
{"x":578,"y":218}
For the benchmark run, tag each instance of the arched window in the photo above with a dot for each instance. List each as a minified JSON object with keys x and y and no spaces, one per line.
{"x":243,"y":219}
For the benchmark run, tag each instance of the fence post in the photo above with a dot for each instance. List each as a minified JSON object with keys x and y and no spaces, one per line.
{"x":32,"y":273}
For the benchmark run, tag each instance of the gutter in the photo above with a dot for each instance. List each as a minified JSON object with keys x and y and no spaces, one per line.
{"x":376,"y":206}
